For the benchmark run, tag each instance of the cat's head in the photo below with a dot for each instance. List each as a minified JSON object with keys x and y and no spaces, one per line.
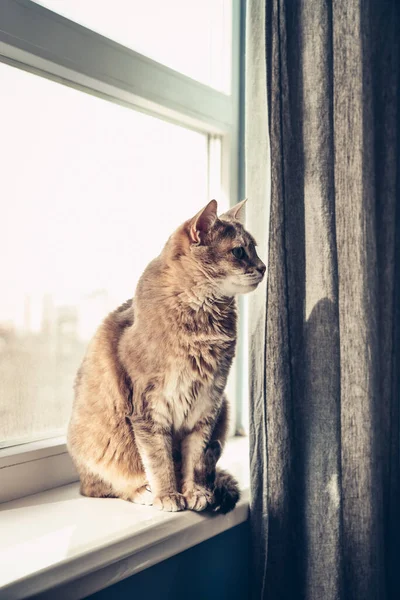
{"x":218,"y":249}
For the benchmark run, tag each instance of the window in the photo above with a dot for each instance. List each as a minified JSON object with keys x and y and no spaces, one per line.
{"x":85,"y":182}
{"x":190,"y":36}
{"x":98,"y":143}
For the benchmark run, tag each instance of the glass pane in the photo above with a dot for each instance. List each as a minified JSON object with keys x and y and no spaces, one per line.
{"x":190,"y":36}
{"x":90,"y":193}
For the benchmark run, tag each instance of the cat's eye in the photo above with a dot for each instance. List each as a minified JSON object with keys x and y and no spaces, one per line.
{"x":238,"y":252}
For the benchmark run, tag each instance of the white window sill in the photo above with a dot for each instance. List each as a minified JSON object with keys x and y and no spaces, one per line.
{"x":56,"y":537}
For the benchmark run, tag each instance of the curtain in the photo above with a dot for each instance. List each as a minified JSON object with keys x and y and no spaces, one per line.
{"x":322,"y":177}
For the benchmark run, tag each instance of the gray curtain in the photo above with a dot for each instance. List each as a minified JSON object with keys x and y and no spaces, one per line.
{"x":322,"y":129}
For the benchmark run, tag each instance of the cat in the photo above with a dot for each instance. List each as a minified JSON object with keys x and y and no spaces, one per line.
{"x":150,"y":416}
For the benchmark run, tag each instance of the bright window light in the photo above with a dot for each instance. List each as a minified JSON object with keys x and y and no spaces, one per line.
{"x":91,"y":190}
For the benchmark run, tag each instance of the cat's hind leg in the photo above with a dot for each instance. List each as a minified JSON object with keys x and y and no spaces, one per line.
{"x":143,"y":496}
{"x":95,"y":487}
{"x":111,"y":482}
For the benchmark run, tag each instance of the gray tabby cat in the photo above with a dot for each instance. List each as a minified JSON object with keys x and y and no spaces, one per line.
{"x":150,"y":416}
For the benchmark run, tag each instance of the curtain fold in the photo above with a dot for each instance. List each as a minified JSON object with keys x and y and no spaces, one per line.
{"x":322,"y":94}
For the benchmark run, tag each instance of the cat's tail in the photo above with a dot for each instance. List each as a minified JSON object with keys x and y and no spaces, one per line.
{"x":226,"y":492}
{"x":225,"y":487}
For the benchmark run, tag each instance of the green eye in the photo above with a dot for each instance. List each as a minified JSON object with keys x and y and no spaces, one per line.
{"x":239,"y":252}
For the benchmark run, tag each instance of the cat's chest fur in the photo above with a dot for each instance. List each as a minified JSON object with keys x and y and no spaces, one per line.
{"x":186,"y":398}
{"x":196,"y":375}
{"x":178,"y":359}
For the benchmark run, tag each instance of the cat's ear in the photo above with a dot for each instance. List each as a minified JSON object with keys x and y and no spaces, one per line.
{"x":202,"y":222}
{"x":236,"y":212}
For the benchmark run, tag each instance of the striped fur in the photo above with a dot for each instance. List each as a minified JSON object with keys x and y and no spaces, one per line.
{"x":151,"y":386}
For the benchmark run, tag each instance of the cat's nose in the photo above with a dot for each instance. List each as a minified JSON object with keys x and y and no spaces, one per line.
{"x":261,"y":268}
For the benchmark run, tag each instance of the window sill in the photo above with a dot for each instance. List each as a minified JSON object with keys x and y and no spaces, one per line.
{"x":57,"y":537}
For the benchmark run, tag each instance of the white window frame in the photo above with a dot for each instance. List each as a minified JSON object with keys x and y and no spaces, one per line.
{"x":40,"y":41}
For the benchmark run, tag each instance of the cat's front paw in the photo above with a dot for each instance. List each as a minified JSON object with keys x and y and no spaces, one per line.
{"x":171,"y":502}
{"x":197,"y":498}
